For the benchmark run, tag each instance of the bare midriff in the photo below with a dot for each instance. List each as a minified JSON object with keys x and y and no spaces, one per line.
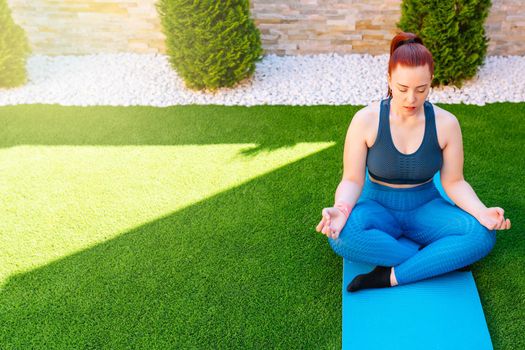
{"x":397,"y":185}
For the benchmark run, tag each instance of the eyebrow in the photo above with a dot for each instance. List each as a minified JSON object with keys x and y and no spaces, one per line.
{"x":416,"y":86}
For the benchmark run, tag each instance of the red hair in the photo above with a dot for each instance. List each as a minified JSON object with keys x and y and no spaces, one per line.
{"x":408,"y":50}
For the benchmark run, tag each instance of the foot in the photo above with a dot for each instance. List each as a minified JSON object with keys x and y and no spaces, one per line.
{"x":465,"y":268}
{"x":377,"y":278}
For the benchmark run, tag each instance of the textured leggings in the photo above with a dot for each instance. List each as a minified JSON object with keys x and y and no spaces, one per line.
{"x":452,"y":237}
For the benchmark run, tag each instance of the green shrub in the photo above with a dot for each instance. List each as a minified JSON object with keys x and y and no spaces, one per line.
{"x":14,"y":49}
{"x":453,"y":31}
{"x":210,"y":43}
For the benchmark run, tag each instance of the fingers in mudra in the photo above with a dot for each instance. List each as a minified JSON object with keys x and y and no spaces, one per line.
{"x":322,"y":224}
{"x":505,"y":225}
{"x":333,"y":232}
{"x":324,"y":228}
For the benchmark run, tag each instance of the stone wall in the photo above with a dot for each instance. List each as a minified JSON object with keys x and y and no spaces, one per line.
{"x":62,"y":27}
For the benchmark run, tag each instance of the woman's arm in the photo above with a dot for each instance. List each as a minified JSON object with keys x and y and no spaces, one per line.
{"x":455,"y":185}
{"x":354,"y":160}
{"x":350,"y":187}
{"x":452,"y":179}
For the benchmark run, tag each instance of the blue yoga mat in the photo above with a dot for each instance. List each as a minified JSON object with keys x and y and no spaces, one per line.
{"x":443,"y":312}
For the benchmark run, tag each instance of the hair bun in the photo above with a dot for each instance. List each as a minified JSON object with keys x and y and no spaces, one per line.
{"x":415,"y":40}
{"x":408,"y":41}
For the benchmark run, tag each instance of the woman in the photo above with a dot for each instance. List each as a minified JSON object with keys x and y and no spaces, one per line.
{"x":404,"y":140}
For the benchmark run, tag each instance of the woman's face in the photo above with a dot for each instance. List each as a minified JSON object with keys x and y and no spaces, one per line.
{"x":410,"y":87}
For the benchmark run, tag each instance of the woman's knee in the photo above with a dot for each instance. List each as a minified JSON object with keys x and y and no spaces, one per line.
{"x":351,"y":240}
{"x":482,"y":238}
{"x":489,"y":239}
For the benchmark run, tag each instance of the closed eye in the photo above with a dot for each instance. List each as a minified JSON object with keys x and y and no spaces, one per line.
{"x":417,"y":91}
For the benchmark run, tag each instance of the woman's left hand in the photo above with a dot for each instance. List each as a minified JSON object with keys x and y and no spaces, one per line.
{"x":493,"y":219}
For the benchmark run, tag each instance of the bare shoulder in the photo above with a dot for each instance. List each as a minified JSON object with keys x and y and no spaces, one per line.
{"x":367,"y":122}
{"x":443,"y":116}
{"x":447,"y":125}
{"x":367,"y":116}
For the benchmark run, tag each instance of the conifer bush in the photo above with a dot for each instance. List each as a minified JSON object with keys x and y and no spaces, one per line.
{"x":210,"y":43}
{"x":14,"y":49}
{"x":454,"y":33}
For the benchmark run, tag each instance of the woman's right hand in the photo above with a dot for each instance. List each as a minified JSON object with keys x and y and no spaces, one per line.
{"x":332,"y":222}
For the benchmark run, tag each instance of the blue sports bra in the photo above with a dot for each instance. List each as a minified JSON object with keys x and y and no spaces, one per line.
{"x":386,"y":163}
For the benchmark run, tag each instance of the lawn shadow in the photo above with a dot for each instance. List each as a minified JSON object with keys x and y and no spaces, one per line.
{"x":269,"y":127}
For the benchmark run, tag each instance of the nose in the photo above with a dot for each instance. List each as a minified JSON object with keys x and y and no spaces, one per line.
{"x":411,"y":97}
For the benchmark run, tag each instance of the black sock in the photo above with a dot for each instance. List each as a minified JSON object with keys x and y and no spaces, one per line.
{"x":377,"y":278}
{"x":465,"y":268}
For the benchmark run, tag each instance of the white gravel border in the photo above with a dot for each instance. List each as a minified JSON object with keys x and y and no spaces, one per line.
{"x":126,"y":79}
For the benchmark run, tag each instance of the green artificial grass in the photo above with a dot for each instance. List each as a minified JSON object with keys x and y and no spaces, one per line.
{"x":194,"y":226}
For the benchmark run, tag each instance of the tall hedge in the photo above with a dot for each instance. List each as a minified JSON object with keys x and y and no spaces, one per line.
{"x":14,"y":49}
{"x":453,"y":31}
{"x":210,"y":43}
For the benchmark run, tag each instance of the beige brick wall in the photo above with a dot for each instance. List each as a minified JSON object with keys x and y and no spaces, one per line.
{"x":62,"y":27}
{"x":505,"y":27}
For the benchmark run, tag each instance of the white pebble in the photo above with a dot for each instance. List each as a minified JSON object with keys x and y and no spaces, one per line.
{"x":147,"y":79}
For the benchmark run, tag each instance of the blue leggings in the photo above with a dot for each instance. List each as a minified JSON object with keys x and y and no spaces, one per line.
{"x":452,"y":237}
